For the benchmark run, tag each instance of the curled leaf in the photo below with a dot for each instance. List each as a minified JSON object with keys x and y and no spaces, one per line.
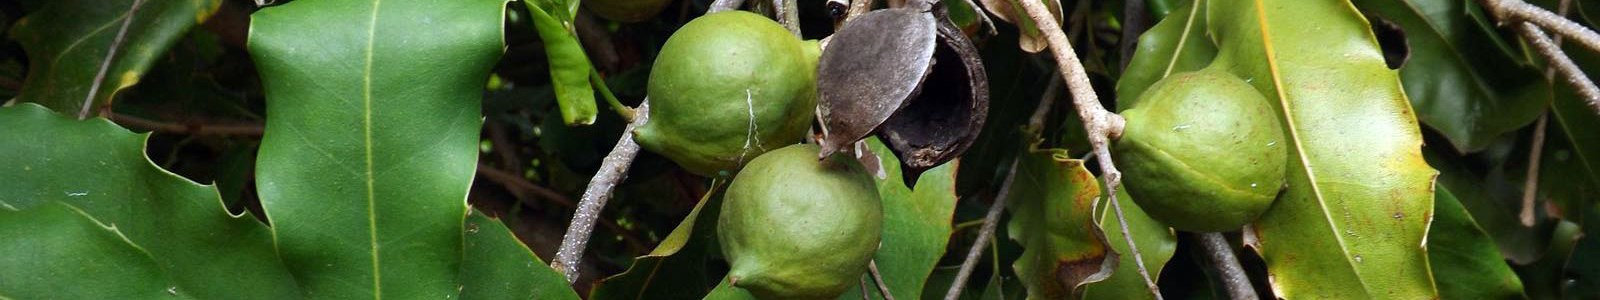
{"x":870,"y":68}
{"x":1029,"y":38}
{"x":941,"y":122}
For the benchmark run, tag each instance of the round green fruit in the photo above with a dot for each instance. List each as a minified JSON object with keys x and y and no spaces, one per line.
{"x":794,"y":227}
{"x":1202,"y":151}
{"x":626,"y":11}
{"x":727,"y":87}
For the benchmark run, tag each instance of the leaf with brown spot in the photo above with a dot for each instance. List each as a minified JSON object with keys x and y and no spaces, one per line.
{"x":1052,"y":209}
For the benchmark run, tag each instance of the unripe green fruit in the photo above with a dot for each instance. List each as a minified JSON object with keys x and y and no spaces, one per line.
{"x":727,"y":87}
{"x":626,"y":11}
{"x":794,"y":227}
{"x":1202,"y":151}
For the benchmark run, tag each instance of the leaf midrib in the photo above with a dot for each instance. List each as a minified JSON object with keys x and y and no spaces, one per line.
{"x":1183,"y":38}
{"x":366,"y":126}
{"x":1294,"y":135}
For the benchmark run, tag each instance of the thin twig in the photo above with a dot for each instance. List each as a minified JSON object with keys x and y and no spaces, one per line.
{"x":513,"y":182}
{"x":866,"y":294}
{"x":193,"y":129}
{"x":105,"y":65}
{"x":612,"y":170}
{"x":516,"y":182}
{"x":1101,"y":125}
{"x":1221,"y":255}
{"x":1531,"y":186}
{"x":883,"y":288}
{"x":857,"y":8}
{"x":991,"y":222}
{"x":724,"y":5}
{"x":1515,"y":11}
{"x":788,"y":15}
{"x":1562,"y":63}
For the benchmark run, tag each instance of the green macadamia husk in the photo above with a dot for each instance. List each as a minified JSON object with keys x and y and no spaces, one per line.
{"x":1202,"y":151}
{"x":794,"y":227}
{"x":726,"y":88}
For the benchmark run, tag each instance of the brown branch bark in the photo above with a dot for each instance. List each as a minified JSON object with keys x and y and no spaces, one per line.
{"x":883,"y":288}
{"x":1101,"y":125}
{"x":613,"y":169}
{"x":1221,"y":256}
{"x":194,"y":129}
{"x":1561,"y":63}
{"x":1516,"y":11}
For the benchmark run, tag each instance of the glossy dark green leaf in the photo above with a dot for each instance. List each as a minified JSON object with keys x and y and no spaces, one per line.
{"x":1353,"y":220}
{"x":677,"y":268}
{"x":372,"y":138}
{"x":916,"y":225}
{"x":1547,"y":278}
{"x":569,"y":66}
{"x":1584,"y":267}
{"x":54,"y":250}
{"x":67,"y":41}
{"x":1156,"y":242}
{"x":1177,"y":44}
{"x":1571,"y":176}
{"x":1457,"y":79}
{"x":1052,"y":204}
{"x":498,"y":266}
{"x":1466,"y":263}
{"x":102,"y":169}
{"x":1493,"y":209}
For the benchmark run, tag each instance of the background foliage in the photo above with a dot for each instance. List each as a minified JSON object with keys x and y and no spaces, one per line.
{"x":251,"y":166}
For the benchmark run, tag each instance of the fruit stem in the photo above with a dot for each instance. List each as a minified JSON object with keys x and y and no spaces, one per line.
{"x":1221,"y":254}
{"x":599,"y":84}
{"x":1101,"y":125}
{"x":612,"y":170}
{"x":723,"y":5}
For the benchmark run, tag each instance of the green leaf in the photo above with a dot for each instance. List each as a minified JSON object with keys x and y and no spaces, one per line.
{"x":498,"y":266}
{"x":677,"y":268}
{"x":67,"y":41}
{"x":1359,"y":198}
{"x":1464,"y":258}
{"x":1460,"y":83}
{"x":1571,"y":161}
{"x":569,"y":66}
{"x":725,"y":291}
{"x":916,"y":224}
{"x":1493,"y":209}
{"x":102,"y":169}
{"x":1178,"y":44}
{"x":1156,"y":242}
{"x":55,"y":251}
{"x":1547,"y":278}
{"x":372,"y":141}
{"x":1052,"y":204}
